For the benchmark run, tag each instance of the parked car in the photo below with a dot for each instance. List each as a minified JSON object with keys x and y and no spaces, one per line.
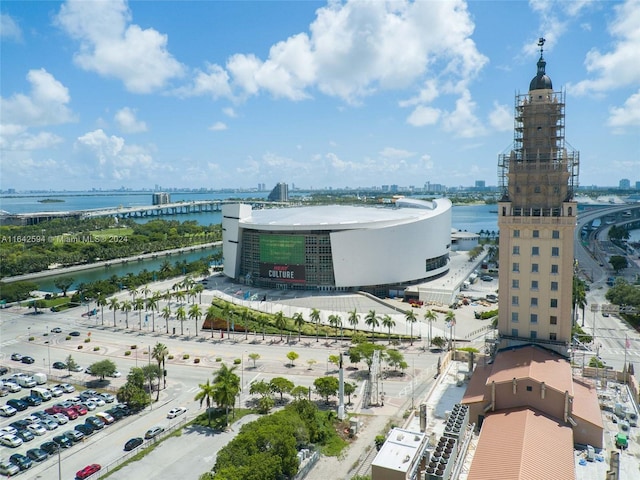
{"x":8,"y":430}
{"x":81,"y":409}
{"x":50,"y":447}
{"x":23,"y":462}
{"x":28,"y":360}
{"x":32,"y":400}
{"x":7,"y":411}
{"x":63,"y":441}
{"x":56,"y":330}
{"x":59,"y":365}
{"x":16,"y":356}
{"x":95,"y":423}
{"x":89,"y":405}
{"x":49,"y":424}
{"x":12,"y":386}
{"x":107,"y":397}
{"x":19,"y":405}
{"x":116,"y":374}
{"x":133,"y":443}
{"x":106,"y":418}
{"x":85,"y":429}
{"x":74,"y":333}
{"x":74,"y":435}
{"x":486,"y":278}
{"x":20,"y":424}
{"x":153,"y":432}
{"x":9,"y":440}
{"x":37,"y":454}
{"x":99,"y":401}
{"x":37,"y":429}
{"x":8,"y":469}
{"x":87,"y":471}
{"x":4,"y":391}
{"x":24,"y":435}
{"x":116,"y":413}
{"x":3,"y":370}
{"x":56,"y":391}
{"x":67,"y":388}
{"x":175,"y":412}
{"x":60,"y":418}
{"x":76,"y":368}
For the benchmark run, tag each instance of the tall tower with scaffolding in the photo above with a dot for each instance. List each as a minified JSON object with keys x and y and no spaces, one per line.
{"x":537,"y":218}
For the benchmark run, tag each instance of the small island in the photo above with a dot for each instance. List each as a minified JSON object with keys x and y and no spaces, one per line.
{"x":51,"y":200}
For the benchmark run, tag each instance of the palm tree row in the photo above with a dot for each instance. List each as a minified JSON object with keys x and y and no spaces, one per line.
{"x":223,"y":391}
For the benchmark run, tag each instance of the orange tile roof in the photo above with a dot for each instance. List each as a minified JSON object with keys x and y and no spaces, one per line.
{"x":523,"y":444}
{"x":585,"y":402}
{"x":533,"y":362}
{"x":476,"y":388}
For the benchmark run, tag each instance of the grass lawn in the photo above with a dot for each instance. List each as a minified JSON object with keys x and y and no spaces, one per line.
{"x":112,"y":232}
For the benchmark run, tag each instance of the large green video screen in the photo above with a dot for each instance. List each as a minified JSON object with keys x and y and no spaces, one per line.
{"x":282,"y":249}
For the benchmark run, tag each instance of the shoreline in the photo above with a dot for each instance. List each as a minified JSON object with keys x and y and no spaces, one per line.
{"x":105,"y":263}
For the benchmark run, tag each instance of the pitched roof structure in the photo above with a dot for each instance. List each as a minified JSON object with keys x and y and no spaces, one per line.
{"x":517,"y":444}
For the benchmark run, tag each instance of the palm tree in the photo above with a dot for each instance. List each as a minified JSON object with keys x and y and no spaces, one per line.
{"x":153,"y":304}
{"x":245,"y":322}
{"x":430,"y":316}
{"x":114,"y":305}
{"x":262,"y":321}
{"x":411,"y":318}
{"x":206,"y":394}
{"x":159,"y":354}
{"x":298,"y":321}
{"x":181,"y":315}
{"x":315,"y":318}
{"x":450,"y":318}
{"x":211,"y":316}
{"x":138,"y":305}
{"x":372,"y":321}
{"x":101,"y":301}
{"x":354,"y":319}
{"x":226,"y":387}
{"x":126,"y":308}
{"x":195,"y":312}
{"x":335,"y":321}
{"x":198,"y":289}
{"x":180,"y":296}
{"x":389,"y":323}
{"x":579,"y":297}
{"x":166,"y":314}
{"x":280,"y":322}
{"x":226,"y":313}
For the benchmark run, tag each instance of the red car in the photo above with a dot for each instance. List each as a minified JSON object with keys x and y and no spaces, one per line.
{"x":71,"y":413}
{"x":81,"y":409}
{"x":87,"y":471}
{"x":57,"y":408}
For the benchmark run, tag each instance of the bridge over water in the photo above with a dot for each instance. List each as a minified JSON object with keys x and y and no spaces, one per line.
{"x":167,"y":209}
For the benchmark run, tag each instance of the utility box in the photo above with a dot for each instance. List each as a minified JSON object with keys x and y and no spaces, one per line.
{"x":591,"y":453}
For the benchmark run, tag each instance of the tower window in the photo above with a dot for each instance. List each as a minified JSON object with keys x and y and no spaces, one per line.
{"x":552,"y":336}
{"x":516,"y":234}
{"x":516,"y":267}
{"x":534,"y":334}
{"x":534,"y":284}
{"x":536,"y":234}
{"x":535,"y":251}
{"x":534,"y":318}
{"x":554,"y":303}
{"x":553,"y":320}
{"x":516,"y":250}
{"x":514,"y":317}
{"x":534,"y":268}
{"x":514,"y":332}
{"x":555,"y":234}
{"x":555,"y":251}
{"x":534,"y":301}
{"x":529,"y":388}
{"x":554,"y":286}
{"x":514,"y":300}
{"x":554,"y":269}
{"x":515,"y":283}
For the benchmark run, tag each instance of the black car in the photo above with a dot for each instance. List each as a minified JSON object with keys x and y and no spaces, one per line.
{"x":85,"y":429}
{"x":126,"y":411}
{"x":24,"y":463}
{"x":20,"y":424}
{"x":116,"y":413}
{"x":95,"y":422}
{"x":3,"y":370}
{"x":19,"y":405}
{"x":27,"y":359}
{"x":63,"y":441}
{"x":50,"y":447}
{"x":133,"y":443}
{"x":37,"y":454}
{"x":32,"y":400}
{"x":59,"y":365}
{"x":74,"y":334}
{"x":24,"y":435}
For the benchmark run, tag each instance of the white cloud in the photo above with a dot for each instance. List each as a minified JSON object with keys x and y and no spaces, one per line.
{"x":9,"y":29}
{"x":128,"y":123}
{"x":46,"y":103}
{"x":110,"y":158}
{"x":422,"y":116}
{"x":112,"y":47}
{"x":395,"y":153}
{"x":501,"y":118}
{"x":229,"y":112}
{"x":214,"y":83}
{"x":462,"y":122}
{"x":628,"y":114}
{"x":218,"y":126}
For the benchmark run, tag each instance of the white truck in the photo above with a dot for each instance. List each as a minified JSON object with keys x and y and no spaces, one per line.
{"x":40,"y":378}
{"x":26,"y":382}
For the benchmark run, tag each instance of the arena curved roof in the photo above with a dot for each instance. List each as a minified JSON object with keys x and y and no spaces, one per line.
{"x":342,"y":217}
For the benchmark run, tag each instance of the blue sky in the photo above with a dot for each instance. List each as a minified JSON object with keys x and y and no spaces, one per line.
{"x":335,"y":94}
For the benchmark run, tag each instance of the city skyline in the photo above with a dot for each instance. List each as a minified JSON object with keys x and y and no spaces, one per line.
{"x":112,"y":95}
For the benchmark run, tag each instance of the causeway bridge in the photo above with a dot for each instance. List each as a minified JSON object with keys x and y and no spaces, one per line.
{"x":161,"y":210}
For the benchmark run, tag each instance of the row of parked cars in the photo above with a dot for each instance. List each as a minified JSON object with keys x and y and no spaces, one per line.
{"x":35,"y":398}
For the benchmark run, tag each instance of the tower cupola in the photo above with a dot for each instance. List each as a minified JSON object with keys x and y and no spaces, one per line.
{"x":541,"y":81}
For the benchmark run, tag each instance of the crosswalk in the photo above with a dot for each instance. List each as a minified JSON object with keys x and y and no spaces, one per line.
{"x":618,"y":352}
{"x":6,"y":343}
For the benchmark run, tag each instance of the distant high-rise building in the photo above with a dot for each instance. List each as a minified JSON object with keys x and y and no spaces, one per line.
{"x":537,"y":217}
{"x":161,"y":198}
{"x":280,"y":193}
{"x":638,"y":185}
{"x":625,"y":184}
{"x":480,"y":184}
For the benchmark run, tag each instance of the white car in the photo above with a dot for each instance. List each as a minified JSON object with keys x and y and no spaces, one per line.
{"x":8,"y":430}
{"x":56,"y":391}
{"x":116,"y":374}
{"x":12,"y":386}
{"x":37,"y":429}
{"x":66,"y":387}
{"x":175,"y":412}
{"x":107,"y":397}
{"x":11,"y":441}
{"x":61,"y":418}
{"x":98,"y":401}
{"x":89,"y":405}
{"x":7,"y":411}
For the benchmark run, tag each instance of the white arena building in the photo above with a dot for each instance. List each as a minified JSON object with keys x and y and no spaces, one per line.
{"x":376,"y":249}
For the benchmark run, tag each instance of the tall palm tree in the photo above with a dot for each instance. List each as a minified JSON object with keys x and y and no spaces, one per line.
{"x":159,"y":354}
{"x":226,"y":313}
{"x":372,"y":321}
{"x":315,"y":318}
{"x":298,"y":321}
{"x":450,"y":318}
{"x":195,"y":312}
{"x":114,"y":305}
{"x":152,"y":304}
{"x":146,"y":291}
{"x":166,"y":314}
{"x":226,"y":386}
{"x":579,"y":297}
{"x":101,"y":301}
{"x":411,"y":318}
{"x":211,"y":315}
{"x":245,"y":322}
{"x":335,"y":321}
{"x":138,"y":305}
{"x":198,"y":289}
{"x":280,"y":322}
{"x":126,"y":308}
{"x":181,"y":315}
{"x":354,"y":319}
{"x":262,"y":321}
{"x":206,"y":394}
{"x":389,"y":323}
{"x":430,"y":316}
{"x":180,"y":296}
